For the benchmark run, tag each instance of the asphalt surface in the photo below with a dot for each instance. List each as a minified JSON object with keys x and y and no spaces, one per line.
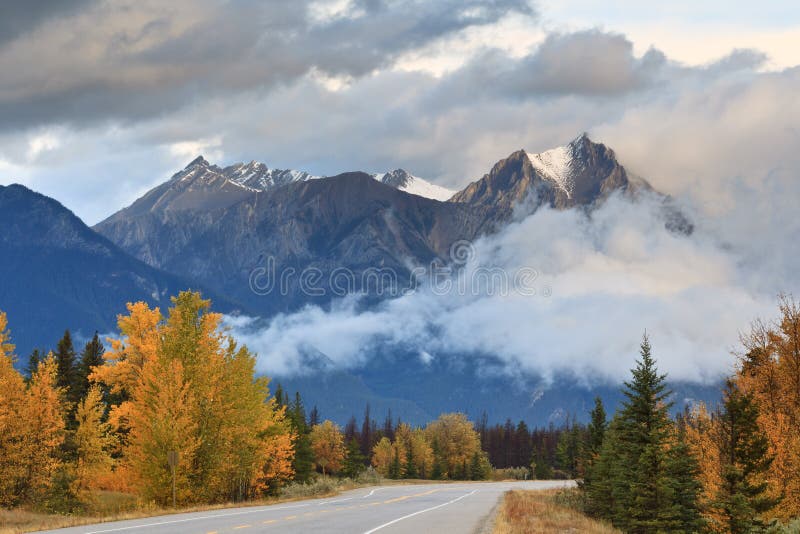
{"x":417,"y":509}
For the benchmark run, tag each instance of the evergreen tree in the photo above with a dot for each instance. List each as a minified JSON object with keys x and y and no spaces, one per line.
{"x":354,"y":460}
{"x":568,"y":449}
{"x":635,"y":466}
{"x":91,"y":357}
{"x":303,"y":463}
{"x":313,"y":417}
{"x":744,"y":451}
{"x":542,"y":470}
{"x":279,"y":396}
{"x":593,"y":443}
{"x":366,"y":434}
{"x":395,"y":468}
{"x":388,"y":426}
{"x":438,"y":470}
{"x":34,"y":360}
{"x":411,"y":466}
{"x":683,"y":472}
{"x":67,"y":370}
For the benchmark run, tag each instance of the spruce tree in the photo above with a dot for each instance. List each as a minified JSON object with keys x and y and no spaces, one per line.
{"x":641,"y":490}
{"x":744,"y":451}
{"x":34,"y":360}
{"x":303,"y":463}
{"x":411,"y":465}
{"x":366,"y":434}
{"x":395,"y":467}
{"x":92,"y":356}
{"x":683,"y":470}
{"x":354,"y":460}
{"x":67,"y":368}
{"x":593,"y":443}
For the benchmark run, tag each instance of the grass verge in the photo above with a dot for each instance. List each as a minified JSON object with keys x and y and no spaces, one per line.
{"x":114,"y":506}
{"x":544,"y":511}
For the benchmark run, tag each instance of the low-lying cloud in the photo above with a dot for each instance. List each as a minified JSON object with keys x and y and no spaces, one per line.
{"x":604,"y":279}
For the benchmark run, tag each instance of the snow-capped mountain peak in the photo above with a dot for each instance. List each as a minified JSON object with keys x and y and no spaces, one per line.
{"x":405,"y":181}
{"x":559,"y":164}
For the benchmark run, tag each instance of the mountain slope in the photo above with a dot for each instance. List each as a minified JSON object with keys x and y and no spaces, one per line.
{"x":59,"y":274}
{"x":581,"y":173}
{"x":350,"y":221}
{"x":404,"y":181}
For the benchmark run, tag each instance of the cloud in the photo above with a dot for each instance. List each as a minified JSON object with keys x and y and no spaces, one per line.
{"x":129,"y":60}
{"x":20,"y":16}
{"x":603,"y":280}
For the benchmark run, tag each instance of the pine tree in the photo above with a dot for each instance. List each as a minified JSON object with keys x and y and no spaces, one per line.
{"x":34,"y":359}
{"x":303,"y":463}
{"x":313,"y":417}
{"x":395,"y":468}
{"x":410,"y":464}
{"x":683,"y":478}
{"x":593,"y":443}
{"x":744,"y":451}
{"x":91,"y":357}
{"x":68,"y":378}
{"x":354,"y":460}
{"x":366,"y":434}
{"x":636,"y":467}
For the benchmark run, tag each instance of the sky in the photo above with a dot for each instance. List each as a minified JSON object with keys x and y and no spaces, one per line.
{"x":102,"y":100}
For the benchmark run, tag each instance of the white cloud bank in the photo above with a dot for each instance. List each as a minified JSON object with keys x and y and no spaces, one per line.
{"x":604,"y":279}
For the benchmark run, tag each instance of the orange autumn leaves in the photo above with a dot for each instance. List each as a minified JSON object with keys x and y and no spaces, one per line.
{"x":186,"y":386}
{"x":31,"y":427}
{"x":769,"y":371}
{"x":175,"y":383}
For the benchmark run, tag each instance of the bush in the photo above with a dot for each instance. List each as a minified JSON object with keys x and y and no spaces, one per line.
{"x":511,"y":473}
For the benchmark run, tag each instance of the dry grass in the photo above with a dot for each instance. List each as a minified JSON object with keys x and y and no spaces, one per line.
{"x":537,"y":512}
{"x":114,"y":506}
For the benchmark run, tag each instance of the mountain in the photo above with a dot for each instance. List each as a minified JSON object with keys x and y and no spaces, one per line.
{"x":276,"y":241}
{"x":351,"y":221}
{"x":60,"y":274}
{"x":581,"y":173}
{"x":404,"y":181}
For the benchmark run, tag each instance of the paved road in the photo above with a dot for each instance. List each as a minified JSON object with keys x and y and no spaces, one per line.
{"x":417,"y":509}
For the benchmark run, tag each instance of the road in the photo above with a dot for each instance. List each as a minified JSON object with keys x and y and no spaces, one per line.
{"x":417,"y":509}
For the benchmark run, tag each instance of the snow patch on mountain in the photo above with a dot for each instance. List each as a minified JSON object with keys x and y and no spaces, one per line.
{"x":555,"y":165}
{"x":414,"y":185}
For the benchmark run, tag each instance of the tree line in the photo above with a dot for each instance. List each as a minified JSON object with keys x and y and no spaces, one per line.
{"x":731,"y":468}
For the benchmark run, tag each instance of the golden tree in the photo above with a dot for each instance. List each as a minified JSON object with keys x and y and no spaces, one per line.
{"x":232,"y":439}
{"x":770,"y":371}
{"x":456,"y":439}
{"x":94,"y":441}
{"x":13,"y":427}
{"x":327,"y":443}
{"x":382,"y":456}
{"x":44,"y":423}
{"x":161,"y":423}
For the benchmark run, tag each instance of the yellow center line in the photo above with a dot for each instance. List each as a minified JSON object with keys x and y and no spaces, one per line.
{"x":270,"y":521}
{"x":289,"y":517}
{"x":241,"y":527}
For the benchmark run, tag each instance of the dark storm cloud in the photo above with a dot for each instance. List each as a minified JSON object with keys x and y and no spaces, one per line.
{"x":20,"y":16}
{"x":126,"y":62}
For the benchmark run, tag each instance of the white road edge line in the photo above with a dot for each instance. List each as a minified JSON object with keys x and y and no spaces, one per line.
{"x":216,"y":516}
{"x":336,"y":500}
{"x":371,"y":493}
{"x":420,"y":512}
